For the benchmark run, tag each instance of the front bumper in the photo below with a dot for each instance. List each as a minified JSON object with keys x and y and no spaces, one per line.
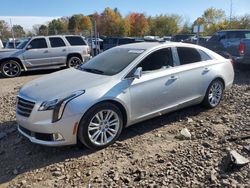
{"x":42,"y":132}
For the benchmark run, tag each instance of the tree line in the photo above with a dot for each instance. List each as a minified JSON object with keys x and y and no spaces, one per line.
{"x":110,"y":22}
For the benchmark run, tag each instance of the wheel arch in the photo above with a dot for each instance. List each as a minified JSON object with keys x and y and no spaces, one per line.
{"x":74,"y":55}
{"x":14,"y":59}
{"x":221,"y":79}
{"x":117,"y":104}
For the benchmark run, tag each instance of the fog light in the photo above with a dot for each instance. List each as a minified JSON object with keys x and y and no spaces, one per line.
{"x":57,"y":137}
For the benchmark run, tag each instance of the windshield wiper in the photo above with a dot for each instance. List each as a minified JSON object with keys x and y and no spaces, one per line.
{"x":92,"y":70}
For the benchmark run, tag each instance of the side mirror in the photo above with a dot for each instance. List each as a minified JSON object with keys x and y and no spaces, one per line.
{"x":28,"y":47}
{"x":138,"y":73}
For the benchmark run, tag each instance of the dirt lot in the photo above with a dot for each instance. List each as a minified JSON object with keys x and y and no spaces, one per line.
{"x":147,"y":154}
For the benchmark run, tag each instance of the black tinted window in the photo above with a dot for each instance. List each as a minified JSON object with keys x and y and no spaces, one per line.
{"x":204,"y":56}
{"x":238,"y":34}
{"x":157,"y":60}
{"x":38,"y":43}
{"x":76,"y":41}
{"x":56,"y":42}
{"x":126,"y":41}
{"x":188,"y":55}
{"x":218,"y":36}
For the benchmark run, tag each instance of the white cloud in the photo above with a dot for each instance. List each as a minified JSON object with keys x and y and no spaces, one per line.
{"x":27,"y":21}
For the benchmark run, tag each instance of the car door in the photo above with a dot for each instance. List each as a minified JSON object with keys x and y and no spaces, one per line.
{"x":156,"y":90}
{"x":37,"y":53}
{"x":58,"y":51}
{"x":194,"y":69}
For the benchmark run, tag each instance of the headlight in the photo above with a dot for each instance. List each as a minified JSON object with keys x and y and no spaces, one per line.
{"x":58,"y":105}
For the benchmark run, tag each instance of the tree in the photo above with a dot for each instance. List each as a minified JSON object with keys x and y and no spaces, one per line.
{"x":43,"y":30}
{"x":137,"y":24}
{"x":111,"y":23}
{"x":242,"y":22}
{"x":78,"y":23}
{"x":164,"y":25}
{"x":186,"y":29}
{"x":35,"y":29}
{"x":213,"y":16}
{"x":4,"y":30}
{"x":56,"y":26}
{"x":85,"y":23}
{"x":18,"y":31}
{"x":213,"y":19}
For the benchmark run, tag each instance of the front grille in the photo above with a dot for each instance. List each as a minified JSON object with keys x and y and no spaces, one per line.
{"x":24,"y":107}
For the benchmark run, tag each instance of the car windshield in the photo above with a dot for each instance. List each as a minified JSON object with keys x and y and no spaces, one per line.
{"x":111,"y":61}
{"x":23,"y":44}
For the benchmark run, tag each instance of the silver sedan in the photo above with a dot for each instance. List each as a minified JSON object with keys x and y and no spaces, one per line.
{"x":120,"y":87}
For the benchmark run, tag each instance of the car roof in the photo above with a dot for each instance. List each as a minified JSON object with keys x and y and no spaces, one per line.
{"x":40,"y":36}
{"x":150,"y":45}
{"x":234,"y":30}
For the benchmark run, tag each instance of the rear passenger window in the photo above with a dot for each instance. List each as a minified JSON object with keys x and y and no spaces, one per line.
{"x":56,"y":42}
{"x":188,"y":55}
{"x":75,"y":41}
{"x":159,"y":59}
{"x":204,"y":56}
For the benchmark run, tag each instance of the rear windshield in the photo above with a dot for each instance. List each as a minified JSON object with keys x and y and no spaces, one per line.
{"x":238,"y":34}
{"x":75,"y":40}
{"x":112,"y":61}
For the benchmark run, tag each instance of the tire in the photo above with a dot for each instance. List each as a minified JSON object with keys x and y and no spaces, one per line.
{"x":214,"y":94}
{"x":102,"y":119}
{"x":74,"y":62}
{"x":10,"y":69}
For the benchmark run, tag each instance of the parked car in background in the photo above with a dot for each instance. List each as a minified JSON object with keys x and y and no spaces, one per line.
{"x":181,"y":37}
{"x":193,"y":40}
{"x":12,"y":44}
{"x":234,"y":44}
{"x":41,"y":52}
{"x":117,"y":88}
{"x":111,"y":42}
{"x":97,"y":47}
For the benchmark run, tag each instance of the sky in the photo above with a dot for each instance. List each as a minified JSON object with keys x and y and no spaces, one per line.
{"x":30,"y":12}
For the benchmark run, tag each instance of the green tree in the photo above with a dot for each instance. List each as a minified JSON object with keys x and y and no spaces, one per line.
{"x":18,"y":31}
{"x":213,"y":16}
{"x":4,"y":30}
{"x":213,"y":20}
{"x":164,"y":25}
{"x":56,"y":26}
{"x":43,"y":30}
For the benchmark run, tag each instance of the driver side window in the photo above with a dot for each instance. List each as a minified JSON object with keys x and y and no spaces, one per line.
{"x":157,"y":60}
{"x":38,"y":44}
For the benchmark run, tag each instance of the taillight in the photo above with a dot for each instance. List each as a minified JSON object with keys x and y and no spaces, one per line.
{"x":242,"y":48}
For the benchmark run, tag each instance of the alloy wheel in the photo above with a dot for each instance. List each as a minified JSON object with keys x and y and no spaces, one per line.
{"x":75,"y":62}
{"x":215,"y":93}
{"x":11,"y":69}
{"x":103,"y":127}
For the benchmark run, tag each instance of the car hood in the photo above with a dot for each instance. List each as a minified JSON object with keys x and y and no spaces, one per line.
{"x":61,"y":84}
{"x":9,"y":52}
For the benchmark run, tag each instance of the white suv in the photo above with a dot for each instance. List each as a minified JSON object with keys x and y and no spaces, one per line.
{"x":44,"y":52}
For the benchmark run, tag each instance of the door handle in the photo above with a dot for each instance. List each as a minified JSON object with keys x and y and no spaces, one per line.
{"x":173,"y":77}
{"x":206,"y":70}
{"x":46,"y":51}
{"x":64,"y":50}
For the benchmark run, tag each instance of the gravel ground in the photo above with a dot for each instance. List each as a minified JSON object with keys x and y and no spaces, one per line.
{"x":147,"y":155}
